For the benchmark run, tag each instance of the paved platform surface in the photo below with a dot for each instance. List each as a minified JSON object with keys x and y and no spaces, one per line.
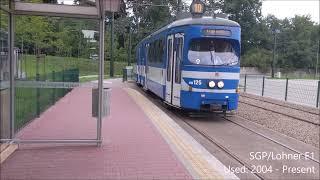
{"x":137,"y":144}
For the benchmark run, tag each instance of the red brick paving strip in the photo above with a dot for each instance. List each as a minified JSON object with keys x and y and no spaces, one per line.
{"x":132,"y":147}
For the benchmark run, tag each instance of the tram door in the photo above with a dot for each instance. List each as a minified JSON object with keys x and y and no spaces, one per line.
{"x":145,"y":67}
{"x":174,"y":57}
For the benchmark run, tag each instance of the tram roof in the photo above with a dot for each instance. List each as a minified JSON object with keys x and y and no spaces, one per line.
{"x":207,"y":20}
{"x":203,"y":21}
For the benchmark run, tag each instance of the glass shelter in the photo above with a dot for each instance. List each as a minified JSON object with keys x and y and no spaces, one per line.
{"x":35,"y":74}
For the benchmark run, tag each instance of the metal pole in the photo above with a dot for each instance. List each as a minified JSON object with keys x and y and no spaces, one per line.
{"x":53,"y":89}
{"x":21,"y":59}
{"x":111,"y":52}
{"x":101,"y":77}
{"x":11,"y":57}
{"x":63,"y":80}
{"x":37,"y":64}
{"x":274,"y":54}
{"x":25,"y":66}
{"x":286,"y":93}
{"x":44,"y":68}
{"x":129,"y":48}
{"x":79,"y":45}
{"x":318,"y":94}
{"x":317,"y":62}
{"x":263,"y":81}
{"x":38,"y":96}
{"x":179,"y":7}
{"x":245,"y":83}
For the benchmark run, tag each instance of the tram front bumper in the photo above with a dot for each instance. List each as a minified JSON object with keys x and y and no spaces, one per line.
{"x":209,"y":101}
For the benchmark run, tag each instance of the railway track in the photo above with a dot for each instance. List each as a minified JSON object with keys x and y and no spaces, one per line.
{"x":266,"y":137}
{"x":181,"y":115}
{"x":223,"y":148}
{"x":233,"y":154}
{"x":278,"y":111}
{"x":278,"y":104}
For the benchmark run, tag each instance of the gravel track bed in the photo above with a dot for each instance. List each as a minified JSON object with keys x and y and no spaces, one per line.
{"x":300,"y":130}
{"x":282,"y":103}
{"x":282,"y":109}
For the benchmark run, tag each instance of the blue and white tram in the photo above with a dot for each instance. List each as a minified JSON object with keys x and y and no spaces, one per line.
{"x":192,"y":64}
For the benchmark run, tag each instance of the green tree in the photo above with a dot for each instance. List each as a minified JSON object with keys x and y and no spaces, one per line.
{"x":248,"y":14}
{"x":257,"y":57}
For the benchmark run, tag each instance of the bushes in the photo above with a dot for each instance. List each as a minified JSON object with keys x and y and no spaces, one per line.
{"x":256,"y":57}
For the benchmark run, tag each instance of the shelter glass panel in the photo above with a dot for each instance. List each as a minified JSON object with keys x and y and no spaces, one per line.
{"x":4,"y":76}
{"x":57,"y":69}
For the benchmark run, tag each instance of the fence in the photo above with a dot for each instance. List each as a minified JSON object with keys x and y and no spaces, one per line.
{"x":31,"y":102}
{"x":300,"y":91}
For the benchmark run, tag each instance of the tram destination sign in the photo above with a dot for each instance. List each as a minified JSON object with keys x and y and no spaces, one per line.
{"x":197,"y":8}
{"x":216,"y":32}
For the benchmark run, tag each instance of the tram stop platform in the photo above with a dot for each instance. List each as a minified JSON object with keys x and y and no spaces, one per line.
{"x":139,"y":142}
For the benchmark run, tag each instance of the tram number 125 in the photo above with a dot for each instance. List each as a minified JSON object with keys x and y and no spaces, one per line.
{"x":197,"y":82}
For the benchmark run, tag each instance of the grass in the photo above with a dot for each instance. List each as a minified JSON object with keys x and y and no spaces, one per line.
{"x":53,"y":63}
{"x":95,"y":77}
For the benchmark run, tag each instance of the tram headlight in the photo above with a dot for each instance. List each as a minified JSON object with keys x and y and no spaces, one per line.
{"x":211,"y":84}
{"x":220,"y":84}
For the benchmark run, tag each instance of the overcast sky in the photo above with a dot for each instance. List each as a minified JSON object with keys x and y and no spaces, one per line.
{"x":280,"y":8}
{"x":288,"y":8}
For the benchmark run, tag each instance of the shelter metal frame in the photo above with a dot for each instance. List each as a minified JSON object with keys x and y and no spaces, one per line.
{"x":85,"y":12}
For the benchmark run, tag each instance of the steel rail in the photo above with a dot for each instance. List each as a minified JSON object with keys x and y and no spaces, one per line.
{"x":224,"y":149}
{"x":278,"y":104}
{"x":266,"y":137}
{"x":277,"y":112}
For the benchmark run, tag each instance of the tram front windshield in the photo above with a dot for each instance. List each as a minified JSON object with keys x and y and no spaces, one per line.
{"x":217,"y":52}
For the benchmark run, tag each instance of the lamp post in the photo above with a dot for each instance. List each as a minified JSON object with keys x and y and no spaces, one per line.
{"x":275,"y":32}
{"x":179,"y":7}
{"x":129,"y":45}
{"x":317,"y":62}
{"x":111,"y":51}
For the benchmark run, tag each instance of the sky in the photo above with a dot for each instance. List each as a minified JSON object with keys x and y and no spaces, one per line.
{"x":281,"y":8}
{"x":288,"y":8}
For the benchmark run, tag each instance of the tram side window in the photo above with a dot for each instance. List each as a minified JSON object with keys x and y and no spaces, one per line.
{"x":168,"y":60}
{"x":152,"y":52}
{"x":179,"y":49}
{"x":161,"y":50}
{"x":156,"y":51}
{"x":148,"y":52}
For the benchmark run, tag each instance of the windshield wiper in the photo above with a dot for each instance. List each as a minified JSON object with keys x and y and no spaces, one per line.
{"x":226,"y":64}
{"x":212,"y":59}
